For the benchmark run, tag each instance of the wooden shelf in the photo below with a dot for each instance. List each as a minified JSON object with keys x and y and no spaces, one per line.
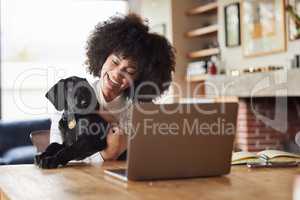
{"x":203,"y":53}
{"x":203,"y":9}
{"x":203,"y":31}
{"x":197,"y":78}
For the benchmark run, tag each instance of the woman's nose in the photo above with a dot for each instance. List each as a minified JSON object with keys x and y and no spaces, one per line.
{"x":118,"y":74}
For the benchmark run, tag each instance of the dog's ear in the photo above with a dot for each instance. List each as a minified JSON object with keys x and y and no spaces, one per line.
{"x":56,"y":95}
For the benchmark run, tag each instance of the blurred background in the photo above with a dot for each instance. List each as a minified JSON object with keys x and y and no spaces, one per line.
{"x":42,"y":41}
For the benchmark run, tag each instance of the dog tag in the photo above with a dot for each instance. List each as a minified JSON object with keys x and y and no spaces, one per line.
{"x":72,"y":124}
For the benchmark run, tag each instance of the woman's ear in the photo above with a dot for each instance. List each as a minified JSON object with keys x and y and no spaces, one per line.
{"x":57,"y":96}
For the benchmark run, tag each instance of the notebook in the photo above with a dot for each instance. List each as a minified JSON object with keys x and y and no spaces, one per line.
{"x":275,"y":156}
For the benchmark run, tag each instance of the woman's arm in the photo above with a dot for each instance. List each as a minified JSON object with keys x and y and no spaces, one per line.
{"x":118,"y":134}
{"x":55,"y":135}
{"x":116,"y":143}
{"x":116,"y":139}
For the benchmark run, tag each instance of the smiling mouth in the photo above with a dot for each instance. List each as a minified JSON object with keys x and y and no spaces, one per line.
{"x":112,"y":82}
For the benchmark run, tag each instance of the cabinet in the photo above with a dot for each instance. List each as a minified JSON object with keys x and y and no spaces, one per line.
{"x":207,"y":13}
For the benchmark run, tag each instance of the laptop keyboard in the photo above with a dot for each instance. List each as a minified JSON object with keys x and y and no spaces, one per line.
{"x":121,"y":172}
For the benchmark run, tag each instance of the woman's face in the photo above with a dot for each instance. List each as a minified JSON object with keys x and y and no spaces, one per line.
{"x":117,"y":75}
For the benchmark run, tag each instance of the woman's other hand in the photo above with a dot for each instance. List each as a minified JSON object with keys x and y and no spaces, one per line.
{"x":116,"y":143}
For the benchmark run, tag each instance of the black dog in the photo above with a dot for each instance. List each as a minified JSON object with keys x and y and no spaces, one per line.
{"x":83,"y":131}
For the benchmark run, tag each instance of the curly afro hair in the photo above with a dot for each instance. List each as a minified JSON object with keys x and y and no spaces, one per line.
{"x":130,"y":37}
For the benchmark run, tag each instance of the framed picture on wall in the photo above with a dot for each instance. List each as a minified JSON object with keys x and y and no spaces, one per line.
{"x":263,"y":27}
{"x":294,"y":28}
{"x":232,"y":25}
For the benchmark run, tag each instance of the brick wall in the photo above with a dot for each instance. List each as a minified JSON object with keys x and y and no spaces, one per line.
{"x":255,"y":134}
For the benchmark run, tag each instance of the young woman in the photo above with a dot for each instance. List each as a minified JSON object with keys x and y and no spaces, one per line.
{"x":131,"y":65}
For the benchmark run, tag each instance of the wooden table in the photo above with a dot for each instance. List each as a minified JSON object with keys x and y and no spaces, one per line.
{"x":90,"y":182}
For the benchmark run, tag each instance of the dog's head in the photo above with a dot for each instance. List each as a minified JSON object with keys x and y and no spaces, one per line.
{"x":77,"y":99}
{"x":73,"y":95}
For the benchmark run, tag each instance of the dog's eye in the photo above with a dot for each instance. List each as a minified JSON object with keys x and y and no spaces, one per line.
{"x":83,"y":102}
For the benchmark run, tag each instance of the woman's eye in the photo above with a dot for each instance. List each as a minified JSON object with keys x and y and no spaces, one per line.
{"x":115,"y":62}
{"x":130,"y":71}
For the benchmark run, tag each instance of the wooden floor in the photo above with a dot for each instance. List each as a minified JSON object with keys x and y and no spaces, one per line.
{"x":89,"y":182}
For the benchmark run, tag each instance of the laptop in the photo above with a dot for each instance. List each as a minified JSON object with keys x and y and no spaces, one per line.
{"x":171,"y":141}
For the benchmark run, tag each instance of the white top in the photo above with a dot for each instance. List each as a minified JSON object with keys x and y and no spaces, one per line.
{"x":119,"y":108}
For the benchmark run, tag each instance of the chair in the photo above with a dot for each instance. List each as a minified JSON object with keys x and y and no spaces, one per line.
{"x":40,"y":139}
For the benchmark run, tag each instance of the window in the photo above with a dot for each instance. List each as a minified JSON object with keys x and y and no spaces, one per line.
{"x":41,"y":42}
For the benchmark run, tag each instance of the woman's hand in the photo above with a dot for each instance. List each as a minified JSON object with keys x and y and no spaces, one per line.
{"x":116,"y":143}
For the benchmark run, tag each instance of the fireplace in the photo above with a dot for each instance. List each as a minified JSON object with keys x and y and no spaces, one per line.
{"x":268,"y":123}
